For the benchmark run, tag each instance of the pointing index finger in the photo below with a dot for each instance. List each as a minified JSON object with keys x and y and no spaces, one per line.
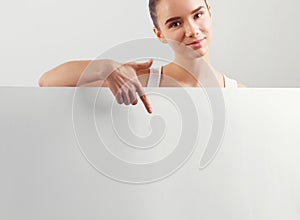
{"x":143,"y":97}
{"x":146,"y":103}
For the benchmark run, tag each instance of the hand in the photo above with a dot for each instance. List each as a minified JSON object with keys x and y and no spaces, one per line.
{"x":124,"y":84}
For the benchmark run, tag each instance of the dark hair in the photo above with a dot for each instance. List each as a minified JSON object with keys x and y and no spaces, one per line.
{"x":152,"y":10}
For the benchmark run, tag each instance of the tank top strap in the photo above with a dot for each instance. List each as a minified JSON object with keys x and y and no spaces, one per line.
{"x":154,"y":77}
{"x":230,"y":83}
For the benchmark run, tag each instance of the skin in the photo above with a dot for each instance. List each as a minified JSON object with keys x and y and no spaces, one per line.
{"x":180,"y":24}
{"x":185,"y":25}
{"x":120,"y":78}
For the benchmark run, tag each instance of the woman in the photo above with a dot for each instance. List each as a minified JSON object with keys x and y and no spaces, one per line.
{"x":186,"y":26}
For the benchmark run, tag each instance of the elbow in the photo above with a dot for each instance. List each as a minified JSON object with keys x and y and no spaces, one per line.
{"x":47,"y":80}
{"x":51,"y":77}
{"x":240,"y":85}
{"x":43,"y":81}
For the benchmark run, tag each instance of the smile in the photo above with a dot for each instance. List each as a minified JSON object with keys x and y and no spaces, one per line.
{"x":196,"y":43}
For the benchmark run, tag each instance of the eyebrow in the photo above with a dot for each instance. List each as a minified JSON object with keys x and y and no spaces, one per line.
{"x":176,"y":18}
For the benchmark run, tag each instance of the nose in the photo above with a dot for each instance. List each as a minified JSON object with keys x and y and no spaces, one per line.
{"x":191,"y":29}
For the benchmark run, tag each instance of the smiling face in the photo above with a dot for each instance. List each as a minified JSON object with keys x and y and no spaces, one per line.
{"x":185,"y":26}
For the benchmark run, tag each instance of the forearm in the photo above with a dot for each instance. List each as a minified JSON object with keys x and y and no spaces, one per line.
{"x":77,"y":73}
{"x":98,"y":70}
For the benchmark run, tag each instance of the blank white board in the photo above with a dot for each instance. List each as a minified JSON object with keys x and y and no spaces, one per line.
{"x":73,"y":153}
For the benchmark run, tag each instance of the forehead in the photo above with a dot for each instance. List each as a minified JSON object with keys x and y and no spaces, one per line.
{"x":170,"y":8}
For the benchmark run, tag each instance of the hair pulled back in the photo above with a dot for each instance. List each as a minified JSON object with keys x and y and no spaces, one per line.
{"x":152,"y":9}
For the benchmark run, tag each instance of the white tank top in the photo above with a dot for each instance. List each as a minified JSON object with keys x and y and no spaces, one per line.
{"x":155,"y":76}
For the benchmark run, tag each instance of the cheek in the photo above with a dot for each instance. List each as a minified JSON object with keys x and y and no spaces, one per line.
{"x":176,"y":35}
{"x":179,"y":35}
{"x":206,"y":27}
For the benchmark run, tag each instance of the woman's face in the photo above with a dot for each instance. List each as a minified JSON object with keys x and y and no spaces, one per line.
{"x":185,"y":25}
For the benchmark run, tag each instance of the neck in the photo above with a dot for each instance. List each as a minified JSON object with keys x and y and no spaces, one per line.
{"x":200,"y":68}
{"x":191,"y":64}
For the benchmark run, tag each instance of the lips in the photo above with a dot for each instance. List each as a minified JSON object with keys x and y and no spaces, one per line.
{"x":196,"y":42}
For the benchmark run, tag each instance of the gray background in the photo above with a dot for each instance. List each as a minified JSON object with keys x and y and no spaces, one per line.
{"x":254,"y":42}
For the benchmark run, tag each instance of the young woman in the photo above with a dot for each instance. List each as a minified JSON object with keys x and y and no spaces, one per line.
{"x":186,"y":26}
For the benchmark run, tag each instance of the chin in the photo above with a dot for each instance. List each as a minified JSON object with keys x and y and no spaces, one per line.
{"x":190,"y":53}
{"x":197,"y":53}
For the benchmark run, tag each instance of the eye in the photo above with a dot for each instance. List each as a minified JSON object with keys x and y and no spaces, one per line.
{"x":175,"y":24}
{"x":198,"y":15}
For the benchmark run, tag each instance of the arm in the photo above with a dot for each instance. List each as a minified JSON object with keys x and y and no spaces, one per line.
{"x":240,"y":85}
{"x":120,"y":78}
{"x":78,"y":73}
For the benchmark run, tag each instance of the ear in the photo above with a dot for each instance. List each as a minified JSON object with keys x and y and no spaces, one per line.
{"x":159,"y":35}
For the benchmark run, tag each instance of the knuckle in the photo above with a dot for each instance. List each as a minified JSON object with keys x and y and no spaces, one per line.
{"x":119,"y":101}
